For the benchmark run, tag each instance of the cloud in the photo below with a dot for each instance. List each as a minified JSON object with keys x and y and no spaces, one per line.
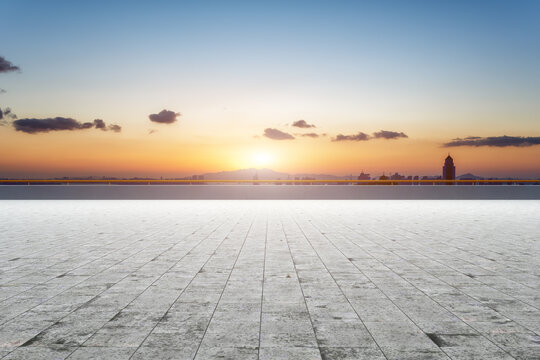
{"x":7,"y":114}
{"x":6,"y":66}
{"x":164,"y":117}
{"x":311,"y":135}
{"x":383,"y":134}
{"x":302,"y":124}
{"x":115,"y":128}
{"x":494,"y":141}
{"x":2,"y":91}
{"x":361,"y":136}
{"x":33,"y":126}
{"x":276,"y":134}
{"x":467,"y":138}
{"x":100,"y":124}
{"x":358,"y":137}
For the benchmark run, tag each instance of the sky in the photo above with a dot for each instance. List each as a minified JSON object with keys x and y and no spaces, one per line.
{"x":188,"y":87}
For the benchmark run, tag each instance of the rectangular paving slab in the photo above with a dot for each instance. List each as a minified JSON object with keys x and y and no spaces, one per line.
{"x":273,"y":279}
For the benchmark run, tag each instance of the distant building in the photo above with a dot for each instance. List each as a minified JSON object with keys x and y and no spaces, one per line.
{"x":197,"y":178}
{"x":397,"y":176}
{"x":256,"y":178}
{"x":384,"y":178}
{"x":288,"y":182}
{"x":449,"y":170}
{"x":363,"y":176}
{"x":425,"y":178}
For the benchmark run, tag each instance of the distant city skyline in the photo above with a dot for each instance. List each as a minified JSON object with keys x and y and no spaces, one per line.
{"x":178,"y":88}
{"x":448,"y":173}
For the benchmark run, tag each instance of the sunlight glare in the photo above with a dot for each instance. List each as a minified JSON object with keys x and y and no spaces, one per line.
{"x":261,"y":158}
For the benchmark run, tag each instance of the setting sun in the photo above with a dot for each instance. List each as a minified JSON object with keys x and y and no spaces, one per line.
{"x":261,"y":158}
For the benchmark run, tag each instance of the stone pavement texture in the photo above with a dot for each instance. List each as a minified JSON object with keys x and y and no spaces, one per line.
{"x":270,"y":279}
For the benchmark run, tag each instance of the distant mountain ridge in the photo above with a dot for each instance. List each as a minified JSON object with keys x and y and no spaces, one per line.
{"x":267,"y":174}
{"x":469,"y":176}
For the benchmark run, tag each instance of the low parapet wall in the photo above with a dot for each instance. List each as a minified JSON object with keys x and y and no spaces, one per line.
{"x":269,"y":192}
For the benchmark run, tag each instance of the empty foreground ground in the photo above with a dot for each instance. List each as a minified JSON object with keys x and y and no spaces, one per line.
{"x":270,"y":279}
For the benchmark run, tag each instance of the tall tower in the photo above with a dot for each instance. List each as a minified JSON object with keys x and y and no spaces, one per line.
{"x":256,"y":177}
{"x":449,"y":170}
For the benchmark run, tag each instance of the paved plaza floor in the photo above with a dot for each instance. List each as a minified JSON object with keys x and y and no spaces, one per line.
{"x":270,"y":280}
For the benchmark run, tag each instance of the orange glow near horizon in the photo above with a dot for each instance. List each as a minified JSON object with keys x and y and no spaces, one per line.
{"x":103,"y":154}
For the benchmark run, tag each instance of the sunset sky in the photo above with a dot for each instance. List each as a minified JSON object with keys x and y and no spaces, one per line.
{"x":204,"y":86}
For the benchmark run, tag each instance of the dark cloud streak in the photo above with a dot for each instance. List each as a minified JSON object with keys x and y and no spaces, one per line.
{"x":384,"y":134}
{"x":495,"y":141}
{"x":361,"y":136}
{"x":357,"y":137}
{"x":311,"y":135}
{"x":33,"y":126}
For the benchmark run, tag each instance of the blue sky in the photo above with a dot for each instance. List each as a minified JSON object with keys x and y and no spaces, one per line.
{"x":447,"y":47}
{"x":487,"y":44}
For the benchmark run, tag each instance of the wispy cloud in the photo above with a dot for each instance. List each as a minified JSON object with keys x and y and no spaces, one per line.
{"x":276,"y":134}
{"x":302,"y":124}
{"x":6,"y":66}
{"x":115,"y":128}
{"x":311,"y":135}
{"x":357,"y":137}
{"x":384,"y":134}
{"x":33,"y":126}
{"x":164,"y":117}
{"x":6,"y":114}
{"x":100,"y":124}
{"x":361,"y":136}
{"x":495,"y":141}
